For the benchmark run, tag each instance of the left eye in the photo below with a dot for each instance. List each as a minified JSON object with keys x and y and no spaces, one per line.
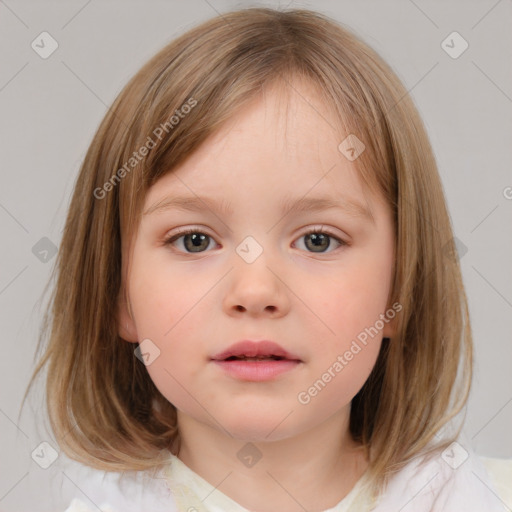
{"x":195,"y":241}
{"x":320,"y":239}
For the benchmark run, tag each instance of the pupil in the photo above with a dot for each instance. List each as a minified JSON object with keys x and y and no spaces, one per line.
{"x":197,"y":239}
{"x":319,"y":241}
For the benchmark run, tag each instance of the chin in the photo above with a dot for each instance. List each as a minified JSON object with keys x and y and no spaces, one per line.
{"x":262,"y":433}
{"x":257,"y":425}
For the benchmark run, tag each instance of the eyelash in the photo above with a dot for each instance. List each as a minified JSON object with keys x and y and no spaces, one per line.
{"x":170,"y":240}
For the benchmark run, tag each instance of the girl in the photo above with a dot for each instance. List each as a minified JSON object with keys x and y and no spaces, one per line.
{"x":258,"y":303}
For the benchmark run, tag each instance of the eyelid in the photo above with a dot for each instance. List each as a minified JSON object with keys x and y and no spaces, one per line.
{"x":186,"y":231}
{"x":328,"y":231}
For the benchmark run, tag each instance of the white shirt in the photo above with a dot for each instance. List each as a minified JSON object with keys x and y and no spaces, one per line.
{"x":454,"y":481}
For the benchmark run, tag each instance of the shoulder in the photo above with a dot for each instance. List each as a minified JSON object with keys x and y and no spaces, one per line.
{"x":500,"y":472}
{"x":450,"y":480}
{"x":119,"y":492}
{"x":79,"y":506}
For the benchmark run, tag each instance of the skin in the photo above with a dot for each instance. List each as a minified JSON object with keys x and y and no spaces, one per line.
{"x":192,"y":305}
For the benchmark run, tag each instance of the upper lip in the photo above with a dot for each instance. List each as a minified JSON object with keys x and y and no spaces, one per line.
{"x":249,"y":348}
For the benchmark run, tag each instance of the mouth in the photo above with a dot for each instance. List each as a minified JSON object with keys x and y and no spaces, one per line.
{"x":256,"y":361}
{"x":255,"y":351}
{"x":259,"y":358}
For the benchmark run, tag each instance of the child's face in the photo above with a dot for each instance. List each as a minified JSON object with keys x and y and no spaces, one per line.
{"x":312,"y":296}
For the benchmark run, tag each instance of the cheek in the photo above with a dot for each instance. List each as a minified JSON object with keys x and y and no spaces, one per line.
{"x":160,"y":297}
{"x":171,"y":384}
{"x":355,"y":299}
{"x":350,"y":307}
{"x":179,"y":371}
{"x":341,"y":385}
{"x":346,"y":354}
{"x":163,"y":303}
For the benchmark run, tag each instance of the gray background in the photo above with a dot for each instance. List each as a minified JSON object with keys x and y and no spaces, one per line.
{"x":51,"y":108}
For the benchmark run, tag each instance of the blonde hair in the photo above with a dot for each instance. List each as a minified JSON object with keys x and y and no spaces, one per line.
{"x":103,"y":406}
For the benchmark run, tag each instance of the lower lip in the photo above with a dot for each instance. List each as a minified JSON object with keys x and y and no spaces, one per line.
{"x":257,"y":371}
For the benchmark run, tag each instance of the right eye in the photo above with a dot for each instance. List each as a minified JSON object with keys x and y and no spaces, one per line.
{"x":194,"y":241}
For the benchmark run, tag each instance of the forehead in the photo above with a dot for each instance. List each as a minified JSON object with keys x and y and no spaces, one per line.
{"x":279,"y":151}
{"x":288,"y":116}
{"x":286,"y":135}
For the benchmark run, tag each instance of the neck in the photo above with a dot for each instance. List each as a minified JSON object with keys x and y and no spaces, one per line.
{"x":313,"y":470}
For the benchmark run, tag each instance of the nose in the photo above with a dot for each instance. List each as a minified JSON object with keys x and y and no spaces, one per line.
{"x":257,"y":288}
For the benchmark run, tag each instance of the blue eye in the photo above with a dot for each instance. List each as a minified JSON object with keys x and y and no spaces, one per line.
{"x":195,"y":241}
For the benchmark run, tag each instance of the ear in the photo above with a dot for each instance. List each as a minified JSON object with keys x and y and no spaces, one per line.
{"x":389,"y":330}
{"x":392,"y":312}
{"x":126,"y":327}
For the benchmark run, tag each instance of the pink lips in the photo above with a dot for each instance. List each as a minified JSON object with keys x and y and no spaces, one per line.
{"x":255,"y":349}
{"x":256,"y":360}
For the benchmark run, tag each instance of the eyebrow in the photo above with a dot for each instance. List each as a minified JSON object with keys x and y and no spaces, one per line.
{"x":288,"y":205}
